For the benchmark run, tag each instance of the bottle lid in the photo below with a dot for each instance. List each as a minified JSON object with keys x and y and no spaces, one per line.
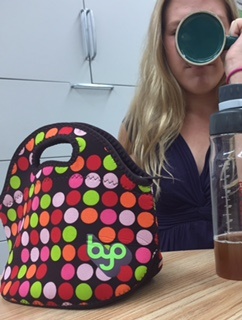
{"x":229,"y":117}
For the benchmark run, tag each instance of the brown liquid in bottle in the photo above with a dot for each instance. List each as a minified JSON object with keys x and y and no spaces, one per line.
{"x":228,"y":255}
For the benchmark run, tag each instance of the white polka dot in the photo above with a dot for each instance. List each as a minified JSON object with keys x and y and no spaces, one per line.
{"x":7,"y":273}
{"x":34,"y":254}
{"x":144,"y":237}
{"x":101,"y":275}
{"x":85,"y":272}
{"x":58,"y":199}
{"x":25,"y":238}
{"x":7,"y":232}
{"x":50,"y":290}
{"x":127,"y":218}
{"x":44,"y":236}
{"x":71,"y":215}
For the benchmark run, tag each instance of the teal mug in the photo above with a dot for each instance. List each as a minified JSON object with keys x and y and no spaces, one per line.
{"x":201,"y":38}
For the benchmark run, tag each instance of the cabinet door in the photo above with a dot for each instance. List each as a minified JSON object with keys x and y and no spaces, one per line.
{"x":28,"y":105}
{"x":42,"y":40}
{"x":3,"y":255}
{"x":121,"y":28}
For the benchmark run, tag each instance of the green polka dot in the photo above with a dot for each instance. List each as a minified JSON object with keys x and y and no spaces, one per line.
{"x":55,"y":253}
{"x":12,"y":215}
{"x":69,"y":234}
{"x":61,"y":170}
{"x":140,"y":272}
{"x":34,"y":220}
{"x":22,"y":271}
{"x":109,"y":163}
{"x":10,"y":245}
{"x":82,"y":144}
{"x":45,"y":201}
{"x":23,"y":301}
{"x":15,"y":182}
{"x":91,"y":198}
{"x":84,"y":292}
{"x":31,"y":190}
{"x":146,"y":189}
{"x":36,"y":290}
{"x":10,"y":258}
{"x":39,"y":138}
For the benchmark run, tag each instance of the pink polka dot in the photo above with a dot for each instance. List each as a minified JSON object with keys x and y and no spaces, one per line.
{"x":32,"y":177}
{"x":143,"y":255}
{"x":35,"y":203}
{"x":75,"y":181}
{"x":24,"y":289}
{"x":25,"y":255}
{"x":47,"y":171}
{"x":68,"y":271}
{"x":44,"y":254}
{"x":108,"y":216}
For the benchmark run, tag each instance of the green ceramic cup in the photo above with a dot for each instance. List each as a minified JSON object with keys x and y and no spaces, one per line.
{"x":201,"y":38}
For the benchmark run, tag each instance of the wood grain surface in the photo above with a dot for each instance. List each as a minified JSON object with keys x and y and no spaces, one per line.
{"x":186,"y":288}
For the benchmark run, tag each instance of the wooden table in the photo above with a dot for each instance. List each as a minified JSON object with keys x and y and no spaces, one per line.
{"x":186,"y":288}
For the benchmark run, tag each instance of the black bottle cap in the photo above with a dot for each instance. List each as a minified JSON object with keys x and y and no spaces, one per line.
{"x":229,"y":118}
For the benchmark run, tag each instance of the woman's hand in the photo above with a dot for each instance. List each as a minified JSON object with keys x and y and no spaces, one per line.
{"x":233,"y":57}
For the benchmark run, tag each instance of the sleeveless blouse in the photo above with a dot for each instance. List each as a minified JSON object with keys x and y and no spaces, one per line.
{"x":184,"y":208}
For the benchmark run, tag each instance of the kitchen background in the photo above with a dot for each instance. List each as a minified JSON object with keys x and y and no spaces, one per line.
{"x":66,"y":60}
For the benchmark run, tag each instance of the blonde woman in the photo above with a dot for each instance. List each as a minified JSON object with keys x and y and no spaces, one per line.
{"x":166,"y":129}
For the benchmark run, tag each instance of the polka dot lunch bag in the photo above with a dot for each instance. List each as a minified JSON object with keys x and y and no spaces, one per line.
{"x":82,"y":233}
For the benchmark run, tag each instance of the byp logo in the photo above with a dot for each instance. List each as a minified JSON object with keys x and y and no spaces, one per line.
{"x":109,"y":258}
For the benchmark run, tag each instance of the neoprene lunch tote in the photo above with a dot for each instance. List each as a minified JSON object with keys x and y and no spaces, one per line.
{"x":82,"y":233}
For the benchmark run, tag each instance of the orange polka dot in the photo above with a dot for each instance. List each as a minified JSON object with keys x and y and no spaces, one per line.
{"x":44,"y":218}
{"x":89,"y":215}
{"x":122,"y":289}
{"x":37,"y":187}
{"x":14,"y":169}
{"x":14,"y":229}
{"x":51,"y":133}
{"x":146,"y":219}
{"x":25,"y":208}
{"x":31,"y":271}
{"x":107,"y":235}
{"x":78,"y":164}
{"x":69,"y":252}
{"x":26,"y":222}
{"x":30,"y":145}
{"x":128,"y":199}
{"x":7,"y":287}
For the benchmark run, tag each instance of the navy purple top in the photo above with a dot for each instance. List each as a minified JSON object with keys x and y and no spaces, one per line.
{"x":184,"y":207}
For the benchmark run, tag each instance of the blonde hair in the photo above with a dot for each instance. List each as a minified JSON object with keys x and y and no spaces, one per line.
{"x":157,"y":112}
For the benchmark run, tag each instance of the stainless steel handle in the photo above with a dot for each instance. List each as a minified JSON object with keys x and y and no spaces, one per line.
{"x":92,"y":86}
{"x":92,"y":34}
{"x":85,"y":34}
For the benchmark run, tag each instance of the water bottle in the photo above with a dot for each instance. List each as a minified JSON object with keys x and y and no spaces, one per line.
{"x":226,"y":182}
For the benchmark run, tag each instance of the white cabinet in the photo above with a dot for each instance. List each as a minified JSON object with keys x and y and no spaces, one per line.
{"x":3,"y":255}
{"x":121,"y":27}
{"x":28,"y":105}
{"x":44,"y":40}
